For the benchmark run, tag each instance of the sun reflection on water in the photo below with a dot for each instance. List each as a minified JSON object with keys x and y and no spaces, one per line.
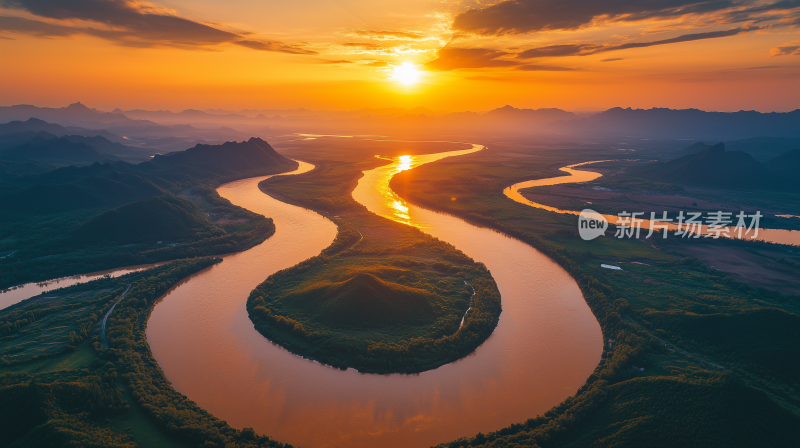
{"x":391,"y":205}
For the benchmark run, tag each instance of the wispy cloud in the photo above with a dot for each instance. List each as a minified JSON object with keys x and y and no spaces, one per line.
{"x":388,"y":35}
{"x":789,"y":48}
{"x":525,"y":16}
{"x":450,"y":58}
{"x":127,"y":22}
{"x":591,"y":48}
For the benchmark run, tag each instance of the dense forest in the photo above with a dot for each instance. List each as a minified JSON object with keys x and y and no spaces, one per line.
{"x":66,"y":389}
{"x":82,"y":219}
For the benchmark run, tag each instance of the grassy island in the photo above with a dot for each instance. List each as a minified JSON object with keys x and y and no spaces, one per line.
{"x":384,"y":298}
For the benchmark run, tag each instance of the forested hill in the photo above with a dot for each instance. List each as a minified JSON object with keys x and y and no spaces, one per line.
{"x":219,"y":161}
{"x":714,"y":166}
{"x":113,"y":184}
{"x":83,"y":219}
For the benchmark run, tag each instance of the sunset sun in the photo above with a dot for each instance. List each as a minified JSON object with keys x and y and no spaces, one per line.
{"x":406,"y":74}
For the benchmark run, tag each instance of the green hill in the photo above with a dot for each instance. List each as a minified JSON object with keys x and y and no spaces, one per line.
{"x":160,"y":218}
{"x":87,"y":192}
{"x":711,"y":166}
{"x":366,"y":301}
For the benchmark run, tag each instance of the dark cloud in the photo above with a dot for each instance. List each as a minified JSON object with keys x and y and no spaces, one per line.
{"x":524,"y":16}
{"x":388,"y":35}
{"x":126,"y":23}
{"x":679,"y":39}
{"x":787,"y":49}
{"x":273,"y":46}
{"x":543,"y":68}
{"x":35,"y":27}
{"x":454,"y":58}
{"x":555,"y":50}
{"x":377,"y":64}
{"x":612,"y":59}
{"x":587,"y":49}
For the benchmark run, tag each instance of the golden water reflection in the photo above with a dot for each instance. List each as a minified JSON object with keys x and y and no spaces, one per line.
{"x":387,"y":203}
{"x":778,"y":236}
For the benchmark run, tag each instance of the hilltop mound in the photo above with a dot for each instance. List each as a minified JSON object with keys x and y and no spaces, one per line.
{"x":786,"y":162}
{"x":712,"y":166}
{"x":367,"y":301}
{"x":150,"y":220}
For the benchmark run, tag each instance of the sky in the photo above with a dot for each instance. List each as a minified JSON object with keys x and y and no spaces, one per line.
{"x":444,"y":55}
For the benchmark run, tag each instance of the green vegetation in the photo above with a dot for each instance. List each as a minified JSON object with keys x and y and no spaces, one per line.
{"x":692,"y":356}
{"x":76,"y":220}
{"x":64,"y":389}
{"x":383,"y":298}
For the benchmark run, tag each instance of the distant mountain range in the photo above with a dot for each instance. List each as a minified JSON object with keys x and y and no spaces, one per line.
{"x":156,"y":128}
{"x":119,"y":128}
{"x":33,"y":124}
{"x":671,"y":123}
{"x":714,"y":166}
{"x":39,"y":142}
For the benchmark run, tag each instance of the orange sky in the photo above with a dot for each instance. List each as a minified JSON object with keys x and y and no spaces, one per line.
{"x":339,"y":54}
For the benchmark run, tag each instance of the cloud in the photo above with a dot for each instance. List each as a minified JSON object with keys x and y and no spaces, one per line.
{"x":787,"y":49}
{"x":126,"y":22}
{"x":273,"y":46}
{"x":388,"y":35}
{"x":555,"y":50}
{"x":35,"y":27}
{"x":543,"y":68}
{"x":612,"y":59}
{"x":337,"y":61}
{"x":679,"y":39}
{"x":524,"y":16}
{"x":366,"y":45}
{"x":450,"y":58}
{"x":587,"y":49}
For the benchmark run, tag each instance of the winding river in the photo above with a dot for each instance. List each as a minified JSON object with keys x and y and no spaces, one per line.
{"x":546,"y":344}
{"x":777,"y":236}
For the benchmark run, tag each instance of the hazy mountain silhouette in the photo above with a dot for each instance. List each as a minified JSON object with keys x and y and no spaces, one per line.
{"x":697,"y":147}
{"x":57,"y":151}
{"x":714,"y":166}
{"x":75,"y":114}
{"x":37,"y":125}
{"x":765,"y":148}
{"x":671,"y":123}
{"x":511,"y":114}
{"x":788,"y":162}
